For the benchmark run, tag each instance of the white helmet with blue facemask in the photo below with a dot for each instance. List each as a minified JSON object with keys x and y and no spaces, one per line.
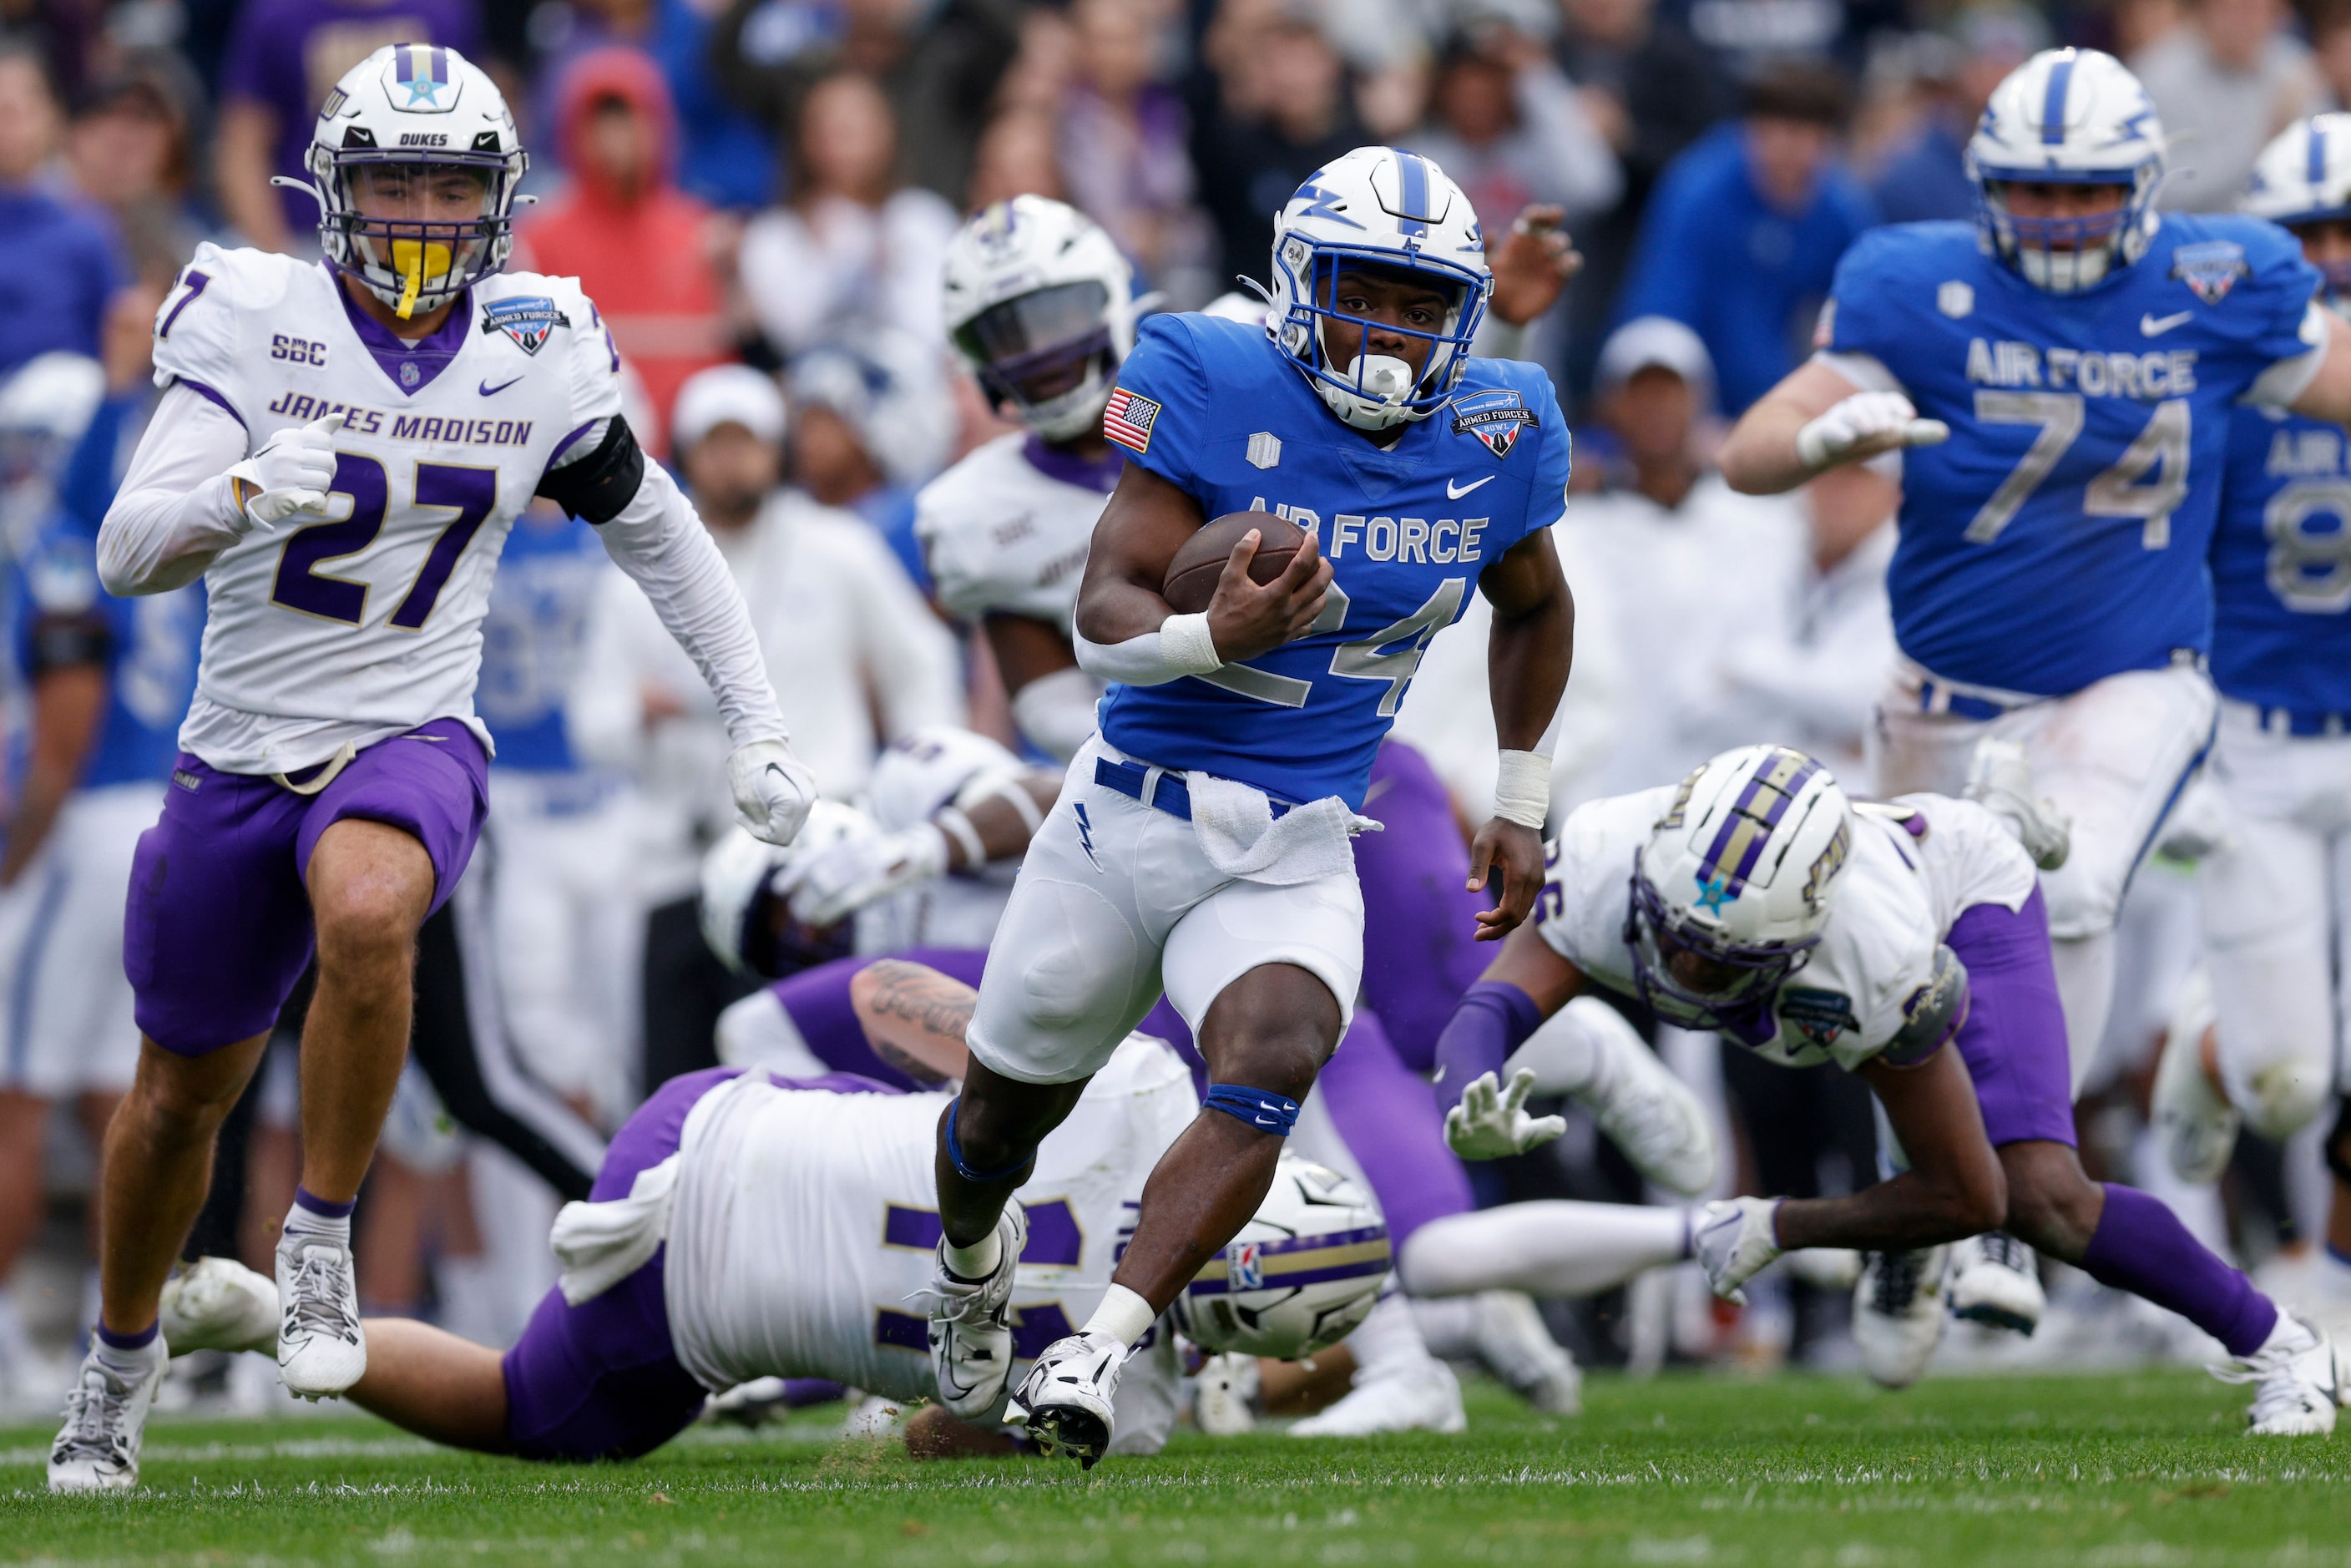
{"x":1380,"y":209}
{"x":2305,"y":177}
{"x":2068,"y":117}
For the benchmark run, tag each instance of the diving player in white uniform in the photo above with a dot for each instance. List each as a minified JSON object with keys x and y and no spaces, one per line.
{"x":1806,"y":928}
{"x":2276,"y":893}
{"x":340,"y":453}
{"x":1164,"y":867}
{"x":2081,"y":354}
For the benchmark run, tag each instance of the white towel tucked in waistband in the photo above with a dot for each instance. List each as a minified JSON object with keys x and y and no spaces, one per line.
{"x":601,"y":1244}
{"x":1242,"y":838}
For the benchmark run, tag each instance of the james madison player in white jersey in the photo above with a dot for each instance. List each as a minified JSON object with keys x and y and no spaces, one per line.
{"x":340,"y":452}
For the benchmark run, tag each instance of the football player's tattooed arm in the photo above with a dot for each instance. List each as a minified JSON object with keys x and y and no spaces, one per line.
{"x":68,"y":701}
{"x":1954,"y":1187}
{"x":1146,"y":522}
{"x":914,"y":1018}
{"x":1526,"y":659}
{"x":176,"y":509}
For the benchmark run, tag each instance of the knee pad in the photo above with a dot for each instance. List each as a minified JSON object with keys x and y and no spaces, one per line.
{"x":2282,"y":1097}
{"x":1076,"y":957}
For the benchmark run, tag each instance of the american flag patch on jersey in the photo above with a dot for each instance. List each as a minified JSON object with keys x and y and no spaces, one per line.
{"x":1128,"y":419}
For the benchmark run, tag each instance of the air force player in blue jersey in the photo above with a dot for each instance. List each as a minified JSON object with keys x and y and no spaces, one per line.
{"x":1201,"y":845}
{"x":2082,"y":355}
{"x":2276,"y":895}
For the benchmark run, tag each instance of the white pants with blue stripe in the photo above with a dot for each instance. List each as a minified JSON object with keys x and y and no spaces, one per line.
{"x":67,"y":1027}
{"x":2114,"y":756}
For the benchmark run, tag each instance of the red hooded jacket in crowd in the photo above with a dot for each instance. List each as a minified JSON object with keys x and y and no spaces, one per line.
{"x":641,"y":256}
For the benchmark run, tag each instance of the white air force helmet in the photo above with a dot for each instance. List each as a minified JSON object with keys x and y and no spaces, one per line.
{"x":1737,"y":873}
{"x":1041,"y":305}
{"x":2075,"y":117}
{"x":1379,"y":207}
{"x":412,"y":106}
{"x":2305,"y":177}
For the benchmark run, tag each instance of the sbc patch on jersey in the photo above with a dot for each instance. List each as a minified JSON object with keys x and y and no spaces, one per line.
{"x":1128,"y":419}
{"x":2211,"y":267}
{"x":527,"y":319}
{"x":1819,"y":1015}
{"x":1494,"y":417}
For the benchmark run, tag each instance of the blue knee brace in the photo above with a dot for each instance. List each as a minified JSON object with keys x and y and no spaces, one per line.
{"x":1258,"y":1108}
{"x":963,"y":1167}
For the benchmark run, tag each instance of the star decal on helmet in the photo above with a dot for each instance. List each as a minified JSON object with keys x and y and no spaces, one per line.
{"x":1713,"y":892}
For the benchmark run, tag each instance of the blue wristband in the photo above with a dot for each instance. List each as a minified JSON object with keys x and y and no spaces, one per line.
{"x":1258,"y":1108}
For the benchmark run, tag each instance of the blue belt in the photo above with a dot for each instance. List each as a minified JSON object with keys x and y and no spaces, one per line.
{"x":1173,"y":796}
{"x":2303,"y":722}
{"x":1959,"y":705}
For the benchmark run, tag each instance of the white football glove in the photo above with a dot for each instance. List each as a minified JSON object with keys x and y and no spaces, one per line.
{"x":773,"y":791}
{"x":290,"y":474}
{"x":1735,"y":1240}
{"x":1491,"y":1121}
{"x":843,"y":878}
{"x":1861,"y":426}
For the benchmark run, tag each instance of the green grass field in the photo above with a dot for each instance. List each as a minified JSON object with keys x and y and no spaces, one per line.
{"x":2122,"y":1471}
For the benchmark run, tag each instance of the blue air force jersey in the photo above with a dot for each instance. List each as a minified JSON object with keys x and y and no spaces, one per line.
{"x":532,"y":636}
{"x":2060,"y":535}
{"x":1216,"y":409}
{"x":148,"y":645}
{"x":2281,"y":565}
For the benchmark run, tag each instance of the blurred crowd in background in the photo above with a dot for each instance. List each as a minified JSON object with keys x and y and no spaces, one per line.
{"x":757,"y":194}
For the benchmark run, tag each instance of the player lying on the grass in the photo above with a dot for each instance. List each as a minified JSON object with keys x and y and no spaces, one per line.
{"x":1908,"y":943}
{"x":340,"y":454}
{"x":745,"y":1227}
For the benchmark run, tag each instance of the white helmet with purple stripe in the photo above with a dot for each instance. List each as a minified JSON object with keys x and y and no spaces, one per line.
{"x":2303,"y":178}
{"x":1300,"y":1276}
{"x":1379,"y":208}
{"x":2068,"y":117}
{"x":1731,"y":890}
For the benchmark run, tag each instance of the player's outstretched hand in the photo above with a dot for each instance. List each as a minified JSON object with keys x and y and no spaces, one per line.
{"x":1734,"y":1239}
{"x":1863,"y":427}
{"x":292,"y":473}
{"x":1534,"y":262}
{"x":1516,"y":852}
{"x":1492,"y":1122}
{"x":845,"y":877}
{"x":1247,"y":619}
{"x":773,"y":791}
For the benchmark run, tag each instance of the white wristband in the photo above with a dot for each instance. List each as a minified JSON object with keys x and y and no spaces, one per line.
{"x":1522,"y":789}
{"x":1182,"y":646}
{"x":1187,"y":645}
{"x":947,"y":820}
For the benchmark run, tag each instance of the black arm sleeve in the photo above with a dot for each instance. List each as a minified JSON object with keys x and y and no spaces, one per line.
{"x":598,"y":485}
{"x":65,"y":642}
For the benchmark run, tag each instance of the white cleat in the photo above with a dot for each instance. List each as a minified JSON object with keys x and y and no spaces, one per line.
{"x":321,"y":1348}
{"x":106,"y":1422}
{"x":971,"y":1326}
{"x":1994,"y":1280}
{"x":1514,"y":1345}
{"x":2194,"y":1122}
{"x":1642,"y":1108}
{"x":2298,"y":1377}
{"x":2000,"y":779}
{"x":1898,"y":1314}
{"x":218,"y":1303}
{"x":1224,"y":1395}
{"x":1424,"y":1396}
{"x":1066,"y":1399}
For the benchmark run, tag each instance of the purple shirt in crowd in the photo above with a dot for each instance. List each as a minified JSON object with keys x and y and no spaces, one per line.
{"x":60,"y":263}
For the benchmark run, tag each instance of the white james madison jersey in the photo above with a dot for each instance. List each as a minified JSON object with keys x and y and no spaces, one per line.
{"x":1003,"y":537}
{"x":1916,"y":864}
{"x":369,"y":622}
{"x":805,"y":1223}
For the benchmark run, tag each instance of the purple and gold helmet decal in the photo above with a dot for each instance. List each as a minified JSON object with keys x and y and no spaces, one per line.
{"x":422,"y":74}
{"x":1746,"y":832}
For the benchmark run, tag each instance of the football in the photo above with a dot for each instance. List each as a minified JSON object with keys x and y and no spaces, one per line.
{"x":1300,"y":1276}
{"x":1192,"y":576}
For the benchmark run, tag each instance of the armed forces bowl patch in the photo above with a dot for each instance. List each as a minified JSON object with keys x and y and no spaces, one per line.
{"x":1128,"y":419}
{"x":527,"y":319}
{"x":1819,"y":1015}
{"x":2210,"y":267}
{"x":1494,"y":417}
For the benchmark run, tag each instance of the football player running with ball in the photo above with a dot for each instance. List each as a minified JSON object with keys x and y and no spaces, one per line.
{"x":1908,"y":943}
{"x":2063,"y":373}
{"x":1200,"y":846}
{"x":340,"y":454}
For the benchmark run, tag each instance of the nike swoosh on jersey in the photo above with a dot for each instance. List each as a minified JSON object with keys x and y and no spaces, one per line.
{"x":1453,"y":495}
{"x":2154,"y":326}
{"x":487,"y":390}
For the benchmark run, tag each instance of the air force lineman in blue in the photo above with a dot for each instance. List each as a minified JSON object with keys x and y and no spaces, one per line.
{"x":2082,"y":355}
{"x":2277,"y":894}
{"x":1201,"y":842}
